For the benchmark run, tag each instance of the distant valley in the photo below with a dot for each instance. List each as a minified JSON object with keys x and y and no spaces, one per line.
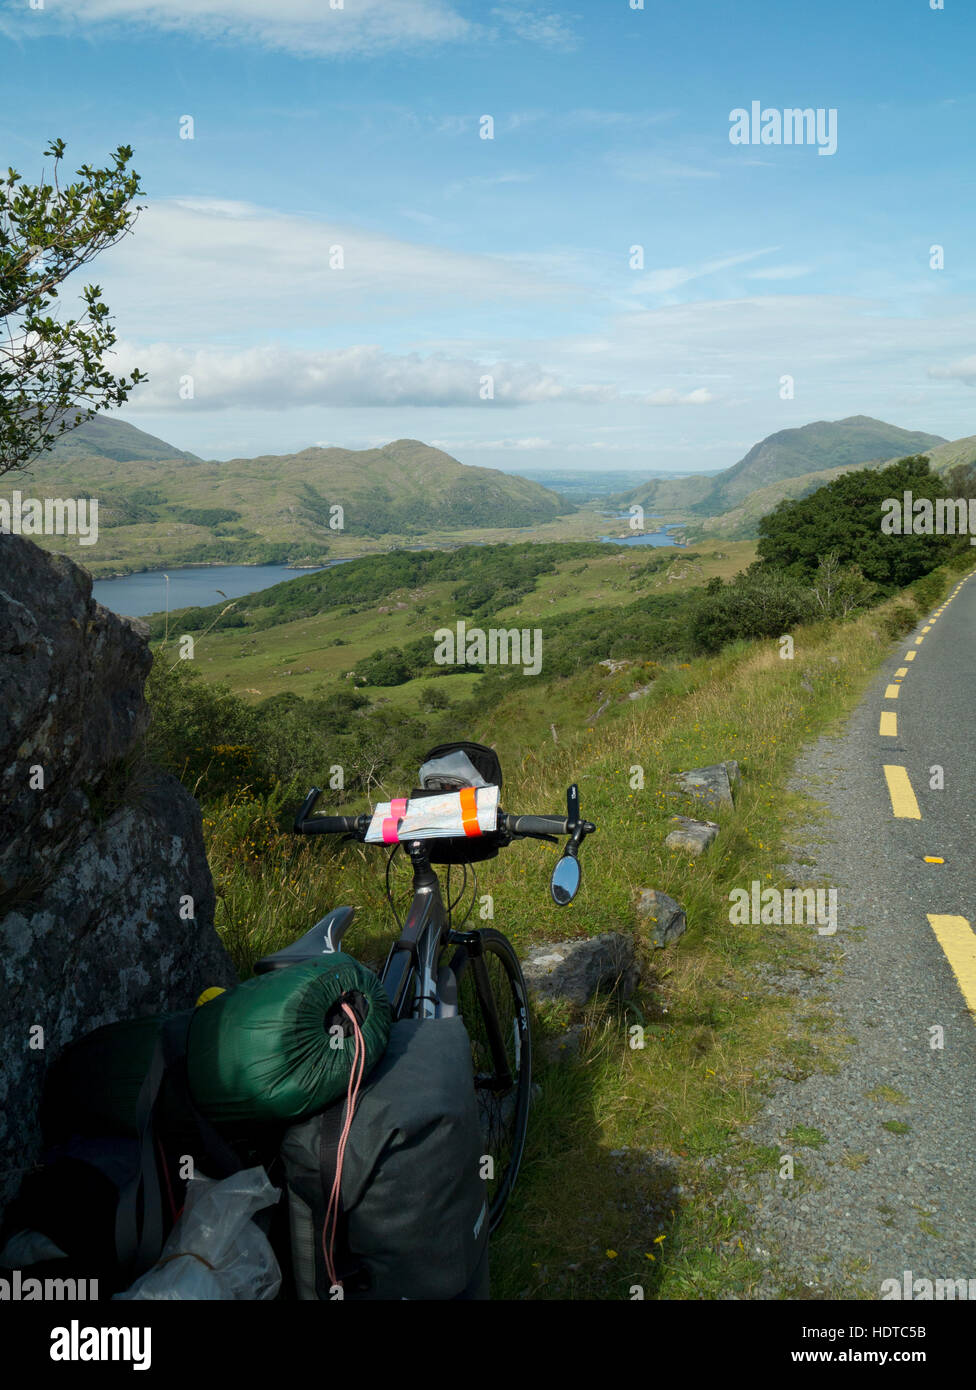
{"x":161,"y":507}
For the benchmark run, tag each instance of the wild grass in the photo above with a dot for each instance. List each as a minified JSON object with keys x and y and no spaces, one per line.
{"x":625,"y":1188}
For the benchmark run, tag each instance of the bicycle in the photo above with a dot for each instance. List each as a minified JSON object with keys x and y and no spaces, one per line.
{"x":434,"y":970}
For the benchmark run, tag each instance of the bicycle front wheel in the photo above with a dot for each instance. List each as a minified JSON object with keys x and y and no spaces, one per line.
{"x":493,"y":1003}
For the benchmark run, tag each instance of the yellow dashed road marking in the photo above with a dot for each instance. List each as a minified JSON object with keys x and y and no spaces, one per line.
{"x":919,"y":641}
{"x":903,"y":803}
{"x":889,"y":724}
{"x":892,"y":692}
{"x":958,"y":940}
{"x":910,"y":656}
{"x":902,"y":671}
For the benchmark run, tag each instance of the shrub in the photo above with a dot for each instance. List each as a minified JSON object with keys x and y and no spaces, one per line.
{"x":899,"y":620}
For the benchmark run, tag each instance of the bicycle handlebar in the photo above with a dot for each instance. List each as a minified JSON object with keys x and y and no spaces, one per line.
{"x":529,"y":827}
{"x":533,"y":826}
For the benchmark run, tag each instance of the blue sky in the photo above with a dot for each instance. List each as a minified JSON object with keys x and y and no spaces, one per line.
{"x":464,"y":257}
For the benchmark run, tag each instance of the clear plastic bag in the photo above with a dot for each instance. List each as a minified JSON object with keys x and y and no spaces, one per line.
{"x":215,"y":1250}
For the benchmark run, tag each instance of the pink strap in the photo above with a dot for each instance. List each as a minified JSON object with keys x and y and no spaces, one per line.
{"x":352,"y":1095}
{"x":391,"y":823}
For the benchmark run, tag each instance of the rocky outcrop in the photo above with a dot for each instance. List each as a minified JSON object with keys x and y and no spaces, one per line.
{"x":692,"y":836}
{"x":665,"y":917}
{"x":711,"y":785}
{"x":575,"y":970}
{"x":106,"y":899}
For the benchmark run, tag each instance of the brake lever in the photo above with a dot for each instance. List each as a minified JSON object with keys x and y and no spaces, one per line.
{"x":306,"y":808}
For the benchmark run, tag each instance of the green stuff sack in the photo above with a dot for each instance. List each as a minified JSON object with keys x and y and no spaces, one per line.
{"x":265,"y":1051}
{"x":257,"y":1054}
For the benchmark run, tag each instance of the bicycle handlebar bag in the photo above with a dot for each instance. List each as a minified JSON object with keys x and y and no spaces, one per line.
{"x":414,"y":1219}
{"x":448,"y":768}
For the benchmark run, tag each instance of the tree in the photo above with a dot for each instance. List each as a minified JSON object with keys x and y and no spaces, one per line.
{"x":51,"y":374}
{"x":845,"y":517}
{"x":839,"y":589}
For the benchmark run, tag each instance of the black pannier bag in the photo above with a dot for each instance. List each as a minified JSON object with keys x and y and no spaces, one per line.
{"x":448,"y":768}
{"x":106,"y":1196}
{"x":413,"y":1215}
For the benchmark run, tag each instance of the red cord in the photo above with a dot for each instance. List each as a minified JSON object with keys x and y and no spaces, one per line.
{"x":352,"y":1095}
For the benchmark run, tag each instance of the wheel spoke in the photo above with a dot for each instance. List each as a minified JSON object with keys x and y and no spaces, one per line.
{"x":502,"y":1109}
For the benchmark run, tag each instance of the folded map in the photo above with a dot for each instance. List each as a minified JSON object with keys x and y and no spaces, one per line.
{"x":440,"y":816}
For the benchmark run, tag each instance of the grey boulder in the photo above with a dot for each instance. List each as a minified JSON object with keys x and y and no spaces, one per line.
{"x":712,"y":785}
{"x":106,"y":898}
{"x":575,"y":970}
{"x":693,"y":836}
{"x":665,"y":917}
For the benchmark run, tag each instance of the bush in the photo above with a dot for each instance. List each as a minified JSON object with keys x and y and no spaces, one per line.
{"x":763,"y":602}
{"x":928,"y":590}
{"x":898,"y":620}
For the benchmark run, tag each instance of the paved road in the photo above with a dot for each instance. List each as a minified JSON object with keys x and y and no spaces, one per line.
{"x":884,"y":1201}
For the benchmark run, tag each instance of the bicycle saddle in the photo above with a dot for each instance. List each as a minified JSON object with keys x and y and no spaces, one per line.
{"x":323,"y":939}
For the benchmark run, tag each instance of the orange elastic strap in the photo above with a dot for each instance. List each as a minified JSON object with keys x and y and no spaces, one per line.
{"x":469,"y":811}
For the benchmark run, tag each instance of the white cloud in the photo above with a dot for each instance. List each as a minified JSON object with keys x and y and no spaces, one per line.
{"x":196,"y":269}
{"x":312,"y":28}
{"x":526,"y":445}
{"x":550,"y":30}
{"x":651,"y":167}
{"x":669,"y":396}
{"x":963,"y":370}
{"x":273,"y":377}
{"x":484,"y":181}
{"x":304,"y":27}
{"x":672,"y":278}
{"x":780,"y":272}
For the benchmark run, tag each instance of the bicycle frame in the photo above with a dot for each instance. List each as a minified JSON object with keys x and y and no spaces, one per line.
{"x":413,"y":956}
{"x":413,"y":961}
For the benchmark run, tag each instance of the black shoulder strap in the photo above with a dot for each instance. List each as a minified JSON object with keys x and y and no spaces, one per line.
{"x":216,"y":1156}
{"x":138,"y":1243}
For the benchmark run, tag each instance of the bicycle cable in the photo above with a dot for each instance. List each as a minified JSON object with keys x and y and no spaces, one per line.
{"x":452,"y":904}
{"x":389,"y":890}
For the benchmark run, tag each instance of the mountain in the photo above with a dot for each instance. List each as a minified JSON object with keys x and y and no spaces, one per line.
{"x":105,"y":438}
{"x":162,"y":506}
{"x":742,"y":521}
{"x":953,"y":454}
{"x":822,"y":446}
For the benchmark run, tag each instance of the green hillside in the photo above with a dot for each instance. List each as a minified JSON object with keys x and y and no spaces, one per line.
{"x":158,"y":506}
{"x":955,"y":453}
{"x":742,"y":522}
{"x":305,"y":636}
{"x":823,"y":446}
{"x":103,"y":438}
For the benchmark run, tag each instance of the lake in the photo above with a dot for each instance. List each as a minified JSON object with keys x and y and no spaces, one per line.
{"x":660,"y":537}
{"x":195,"y":586}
